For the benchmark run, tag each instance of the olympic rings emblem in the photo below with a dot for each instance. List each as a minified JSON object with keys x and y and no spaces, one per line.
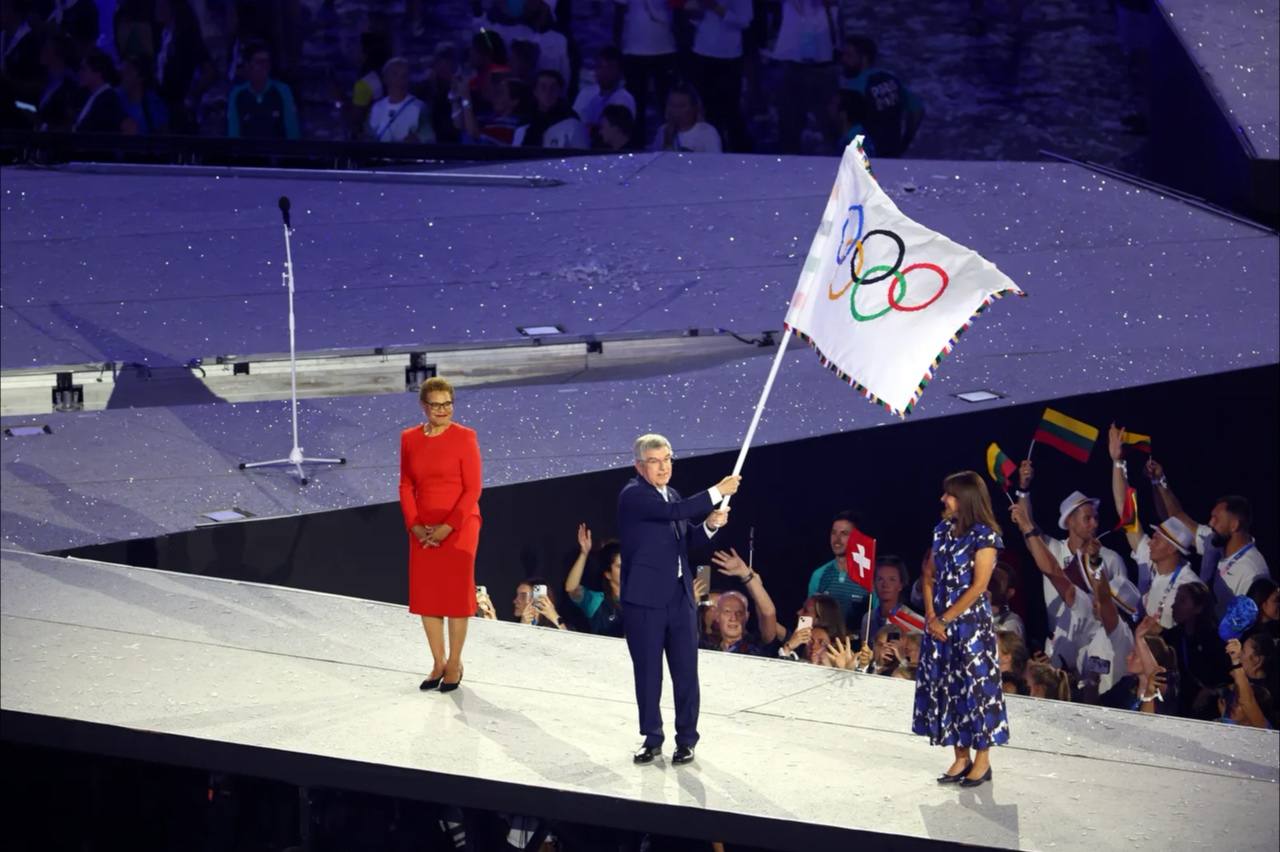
{"x":853,"y":250}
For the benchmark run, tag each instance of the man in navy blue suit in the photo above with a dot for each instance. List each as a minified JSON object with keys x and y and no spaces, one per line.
{"x":660,"y":612}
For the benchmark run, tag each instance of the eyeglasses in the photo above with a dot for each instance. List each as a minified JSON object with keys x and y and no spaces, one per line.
{"x":440,"y":406}
{"x":660,"y":462}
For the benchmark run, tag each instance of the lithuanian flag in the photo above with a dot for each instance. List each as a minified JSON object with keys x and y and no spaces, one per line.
{"x":1000,"y":467}
{"x":1066,"y":434}
{"x":1139,"y":442}
{"x":1129,"y":519}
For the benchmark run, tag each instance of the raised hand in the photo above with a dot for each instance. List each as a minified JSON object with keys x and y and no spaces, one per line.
{"x":1021,"y":519}
{"x":547,"y":609}
{"x":800,"y":637}
{"x":840,"y":653}
{"x":1026,"y":472}
{"x":1155,"y":470}
{"x":584,"y":538}
{"x":700,"y":588}
{"x":863,"y":659}
{"x":485,"y":605}
{"x":730,"y":564}
{"x":1234,"y":649}
{"x":718,"y":518}
{"x":1115,"y":442}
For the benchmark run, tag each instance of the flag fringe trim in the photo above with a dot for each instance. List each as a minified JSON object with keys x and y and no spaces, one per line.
{"x":928,"y":373}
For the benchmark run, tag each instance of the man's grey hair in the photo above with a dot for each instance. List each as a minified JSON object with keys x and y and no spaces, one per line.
{"x":650,"y":441}
{"x":732,"y":595}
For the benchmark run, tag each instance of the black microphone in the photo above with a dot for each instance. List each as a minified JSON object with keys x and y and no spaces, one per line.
{"x":284,"y":210}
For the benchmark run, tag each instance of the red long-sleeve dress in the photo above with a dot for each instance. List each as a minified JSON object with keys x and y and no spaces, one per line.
{"x":440,"y":483}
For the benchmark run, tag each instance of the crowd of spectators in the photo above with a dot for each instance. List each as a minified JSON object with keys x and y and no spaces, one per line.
{"x":1187,"y":625}
{"x":694,"y":75}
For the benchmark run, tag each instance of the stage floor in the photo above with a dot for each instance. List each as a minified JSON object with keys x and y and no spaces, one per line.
{"x":318,"y":689}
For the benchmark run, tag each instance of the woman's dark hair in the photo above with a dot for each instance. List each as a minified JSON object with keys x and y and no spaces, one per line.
{"x":604,"y":558}
{"x":490,"y":44}
{"x":827,"y":615}
{"x":1262,"y":588}
{"x":620,"y":117}
{"x":1202,"y":599}
{"x":973,"y":501}
{"x":1016,"y":647}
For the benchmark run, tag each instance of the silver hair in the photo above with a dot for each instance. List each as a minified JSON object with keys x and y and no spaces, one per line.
{"x":732,"y":594}
{"x":650,"y":441}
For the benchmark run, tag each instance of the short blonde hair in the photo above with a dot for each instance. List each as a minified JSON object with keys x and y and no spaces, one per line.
{"x":435,"y":384}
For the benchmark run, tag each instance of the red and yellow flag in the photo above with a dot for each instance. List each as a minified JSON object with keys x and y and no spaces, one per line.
{"x":1000,"y":467}
{"x":1129,"y":518}
{"x":1066,"y":434}
{"x":1139,"y":442}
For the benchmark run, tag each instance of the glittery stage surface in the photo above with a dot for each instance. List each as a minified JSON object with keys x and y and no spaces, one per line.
{"x":1125,"y":288}
{"x":240,"y":667}
{"x":1236,"y":45}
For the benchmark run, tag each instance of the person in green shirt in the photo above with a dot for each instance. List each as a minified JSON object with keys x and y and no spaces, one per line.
{"x":831,"y":577}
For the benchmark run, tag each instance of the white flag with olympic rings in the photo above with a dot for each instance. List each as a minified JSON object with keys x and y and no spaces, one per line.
{"x":882,"y":298}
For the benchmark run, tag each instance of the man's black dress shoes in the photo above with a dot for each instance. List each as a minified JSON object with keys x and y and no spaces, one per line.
{"x":683,"y":755}
{"x":647,"y":754}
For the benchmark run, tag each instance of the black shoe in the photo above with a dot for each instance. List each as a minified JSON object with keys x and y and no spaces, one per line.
{"x":683,"y":755}
{"x":431,"y":683}
{"x":952,"y":779}
{"x":977,"y":782}
{"x":450,"y":687}
{"x":646,"y":754}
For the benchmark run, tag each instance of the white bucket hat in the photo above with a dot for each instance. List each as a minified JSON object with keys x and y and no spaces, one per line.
{"x":1074,"y":501}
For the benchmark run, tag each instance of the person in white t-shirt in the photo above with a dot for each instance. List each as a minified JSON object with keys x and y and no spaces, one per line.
{"x":717,"y":58}
{"x":644,"y":29}
{"x":1230,"y":561}
{"x":1163,"y":558}
{"x":1078,"y":516}
{"x":1096,"y":640}
{"x":806,"y":49}
{"x":399,"y":117}
{"x":683,"y":130}
{"x":607,"y":90}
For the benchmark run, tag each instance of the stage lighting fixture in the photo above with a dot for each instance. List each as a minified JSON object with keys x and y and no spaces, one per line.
{"x":67,"y":396}
{"x":540,"y":330}
{"x":418,"y":371}
{"x":978,"y":395}
{"x":222,"y":516}
{"x":27,"y":431}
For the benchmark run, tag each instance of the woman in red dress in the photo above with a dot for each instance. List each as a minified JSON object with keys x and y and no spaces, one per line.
{"x":439,"y":495}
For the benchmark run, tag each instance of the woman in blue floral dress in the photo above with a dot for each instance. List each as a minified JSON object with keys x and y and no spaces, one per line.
{"x":959,"y":702}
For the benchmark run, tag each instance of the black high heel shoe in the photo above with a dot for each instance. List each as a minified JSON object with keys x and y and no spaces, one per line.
{"x":431,"y":683}
{"x":450,"y":687}
{"x":944,"y":778}
{"x":977,"y":782}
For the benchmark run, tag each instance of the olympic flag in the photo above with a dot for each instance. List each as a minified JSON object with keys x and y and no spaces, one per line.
{"x":882,"y":298}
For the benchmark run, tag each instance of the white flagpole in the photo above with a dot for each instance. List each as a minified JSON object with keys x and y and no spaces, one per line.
{"x":764,"y":396}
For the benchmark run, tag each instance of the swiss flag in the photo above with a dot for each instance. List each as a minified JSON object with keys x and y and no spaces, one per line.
{"x":860,"y":559}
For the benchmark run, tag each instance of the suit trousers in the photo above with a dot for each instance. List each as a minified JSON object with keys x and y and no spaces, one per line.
{"x":672,"y":629}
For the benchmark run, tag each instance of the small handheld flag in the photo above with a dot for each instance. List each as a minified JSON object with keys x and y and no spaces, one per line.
{"x":1129,"y":519}
{"x":860,"y":559}
{"x":1066,"y":434}
{"x":1141,"y":443}
{"x":1000,"y":467}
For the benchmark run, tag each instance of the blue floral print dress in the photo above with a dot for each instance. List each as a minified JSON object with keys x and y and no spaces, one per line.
{"x":958,"y":697}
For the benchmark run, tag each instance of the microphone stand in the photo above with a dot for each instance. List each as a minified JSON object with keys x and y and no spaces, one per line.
{"x":296,"y":458}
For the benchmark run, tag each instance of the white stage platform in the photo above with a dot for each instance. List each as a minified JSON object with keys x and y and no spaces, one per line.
{"x":322,"y":690}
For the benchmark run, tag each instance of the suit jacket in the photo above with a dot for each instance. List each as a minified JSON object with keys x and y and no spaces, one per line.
{"x":655,"y":533}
